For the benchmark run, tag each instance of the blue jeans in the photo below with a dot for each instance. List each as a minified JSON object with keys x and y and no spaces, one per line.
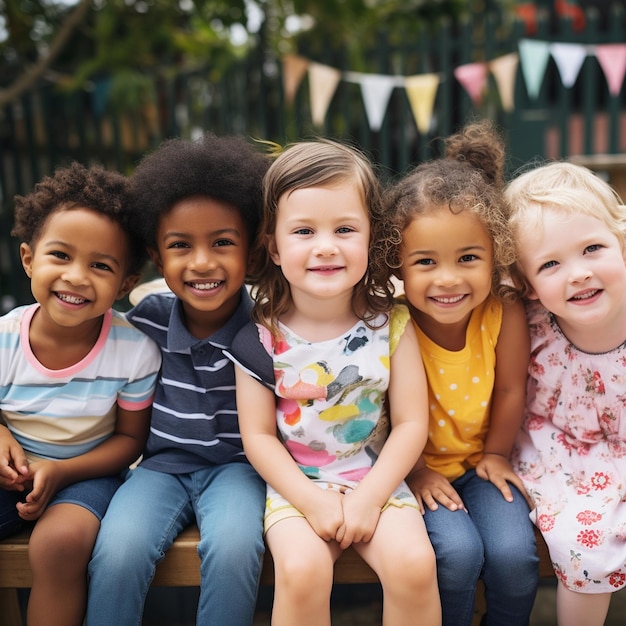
{"x":495,"y":541}
{"x":147,"y":513}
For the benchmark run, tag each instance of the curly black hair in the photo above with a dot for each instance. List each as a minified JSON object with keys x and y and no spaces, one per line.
{"x":78,"y":186}
{"x":226,"y":168}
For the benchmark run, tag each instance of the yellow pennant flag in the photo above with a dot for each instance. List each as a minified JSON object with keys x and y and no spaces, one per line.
{"x":421,"y":90}
{"x":504,"y":70}
{"x":323,"y":81}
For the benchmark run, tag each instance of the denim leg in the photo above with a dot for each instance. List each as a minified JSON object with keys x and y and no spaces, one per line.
{"x":10,"y":521}
{"x":229,"y":502}
{"x":145,"y":515}
{"x":459,"y":552}
{"x":510,"y":572}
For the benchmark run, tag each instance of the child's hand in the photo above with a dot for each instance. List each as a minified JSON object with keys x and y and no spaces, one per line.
{"x":46,"y":476}
{"x":14,"y":470}
{"x":360,"y":518}
{"x":325,"y":513}
{"x":496,"y":469}
{"x":430,"y":487}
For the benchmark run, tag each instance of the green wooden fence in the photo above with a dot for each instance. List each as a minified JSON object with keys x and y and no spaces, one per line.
{"x":48,"y":127}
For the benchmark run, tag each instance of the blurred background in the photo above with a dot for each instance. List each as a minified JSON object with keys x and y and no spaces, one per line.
{"x":107,"y":80}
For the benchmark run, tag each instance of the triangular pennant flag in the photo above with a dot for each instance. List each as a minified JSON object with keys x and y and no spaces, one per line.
{"x":294,"y":69}
{"x":534,"y":56}
{"x":473,"y":78}
{"x":569,"y":58}
{"x":323,"y":81}
{"x":421,"y":91}
{"x":504,"y":69}
{"x":612,"y":59}
{"x":376,"y":90}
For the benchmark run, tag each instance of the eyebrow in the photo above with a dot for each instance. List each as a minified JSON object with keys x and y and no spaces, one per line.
{"x":223,"y":231}
{"x":460,"y":251}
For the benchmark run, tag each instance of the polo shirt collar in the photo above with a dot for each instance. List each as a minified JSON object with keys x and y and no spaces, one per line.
{"x":180,"y":339}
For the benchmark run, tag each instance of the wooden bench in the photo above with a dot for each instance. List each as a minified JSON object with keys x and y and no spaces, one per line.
{"x":180,"y":568}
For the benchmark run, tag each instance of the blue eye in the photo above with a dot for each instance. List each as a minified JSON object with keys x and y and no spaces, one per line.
{"x":593,"y":248}
{"x":548,"y":265}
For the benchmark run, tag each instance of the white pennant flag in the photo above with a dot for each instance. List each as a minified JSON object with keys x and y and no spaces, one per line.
{"x":534,"y":56}
{"x":376,"y":90}
{"x":569,"y":58}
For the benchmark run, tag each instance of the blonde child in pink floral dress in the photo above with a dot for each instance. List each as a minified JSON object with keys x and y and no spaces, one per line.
{"x":571,"y":453}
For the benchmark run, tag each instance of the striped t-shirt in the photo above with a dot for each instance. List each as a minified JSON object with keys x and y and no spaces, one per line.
{"x":194,"y":415}
{"x":60,"y":414}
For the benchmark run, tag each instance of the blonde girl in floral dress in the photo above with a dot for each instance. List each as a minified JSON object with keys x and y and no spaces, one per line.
{"x":571,"y":454}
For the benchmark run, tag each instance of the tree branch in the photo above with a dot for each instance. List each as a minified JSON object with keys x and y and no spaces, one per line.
{"x":32,"y":75}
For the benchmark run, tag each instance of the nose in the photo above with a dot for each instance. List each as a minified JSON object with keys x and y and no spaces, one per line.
{"x":446,"y":277}
{"x":202,"y":260}
{"x":579,"y":274}
{"x":75,"y":274}
{"x":325,"y":245}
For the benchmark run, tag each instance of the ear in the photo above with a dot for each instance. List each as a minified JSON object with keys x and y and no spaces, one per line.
{"x":127,"y":285}
{"x":532,"y":294}
{"x":26,"y":256}
{"x":272,"y":249}
{"x":156,"y":259}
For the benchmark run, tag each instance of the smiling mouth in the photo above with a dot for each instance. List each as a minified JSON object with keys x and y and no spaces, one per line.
{"x":206,"y":286}
{"x":585,"y":296}
{"x":447,"y":300}
{"x":70,"y":299}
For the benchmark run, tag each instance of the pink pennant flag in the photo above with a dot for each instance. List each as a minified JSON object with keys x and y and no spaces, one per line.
{"x":504,"y":70}
{"x":473,"y":78}
{"x":612,"y":59}
{"x":294,"y":69}
{"x":323,"y":81}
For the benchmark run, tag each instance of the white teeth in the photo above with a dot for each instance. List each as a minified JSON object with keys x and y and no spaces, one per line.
{"x":204,"y":286}
{"x":449,"y":300}
{"x":584,"y":296}
{"x":70,"y":299}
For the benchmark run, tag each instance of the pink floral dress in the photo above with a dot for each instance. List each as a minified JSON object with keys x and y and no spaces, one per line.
{"x":571,"y":455}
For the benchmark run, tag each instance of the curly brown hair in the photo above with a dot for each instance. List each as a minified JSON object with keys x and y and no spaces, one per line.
{"x":314,"y":164}
{"x":469,"y":178}
{"x":77,"y":186}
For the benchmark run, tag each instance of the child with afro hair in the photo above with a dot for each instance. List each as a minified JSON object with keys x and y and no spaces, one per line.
{"x":201,"y":202}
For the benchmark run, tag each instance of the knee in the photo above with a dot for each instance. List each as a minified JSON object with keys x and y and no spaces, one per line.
{"x":460,"y":560}
{"x":302,"y":577}
{"x":59,"y":548}
{"x":414,"y":569}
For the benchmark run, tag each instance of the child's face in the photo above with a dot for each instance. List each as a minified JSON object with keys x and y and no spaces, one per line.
{"x":77,"y":266}
{"x":321,"y":240}
{"x":202,"y":252}
{"x":447,"y":263}
{"x":575,"y":266}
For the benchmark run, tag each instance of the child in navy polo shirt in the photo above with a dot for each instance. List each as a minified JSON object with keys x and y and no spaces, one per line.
{"x":202,"y":202}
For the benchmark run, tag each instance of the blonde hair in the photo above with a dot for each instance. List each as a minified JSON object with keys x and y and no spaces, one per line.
{"x":314,"y":164}
{"x":567,"y":188}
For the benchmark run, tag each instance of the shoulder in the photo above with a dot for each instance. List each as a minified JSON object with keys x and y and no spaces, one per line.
{"x":132,"y":339}
{"x":251,"y":350}
{"x":153,"y":311}
{"x":399,"y":317}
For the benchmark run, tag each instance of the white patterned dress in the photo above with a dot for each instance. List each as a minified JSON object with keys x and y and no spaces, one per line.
{"x":330,"y":401}
{"x":571,"y":455}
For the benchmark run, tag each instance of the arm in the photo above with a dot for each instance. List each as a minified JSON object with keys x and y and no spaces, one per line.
{"x":256,"y":406}
{"x":408,"y":408}
{"x":508,"y":401}
{"x":109,"y":458}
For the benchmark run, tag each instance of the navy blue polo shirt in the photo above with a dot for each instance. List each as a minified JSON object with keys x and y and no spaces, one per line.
{"x":194,"y":415}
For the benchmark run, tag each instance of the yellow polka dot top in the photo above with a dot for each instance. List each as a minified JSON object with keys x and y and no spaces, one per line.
{"x":459,"y":393}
